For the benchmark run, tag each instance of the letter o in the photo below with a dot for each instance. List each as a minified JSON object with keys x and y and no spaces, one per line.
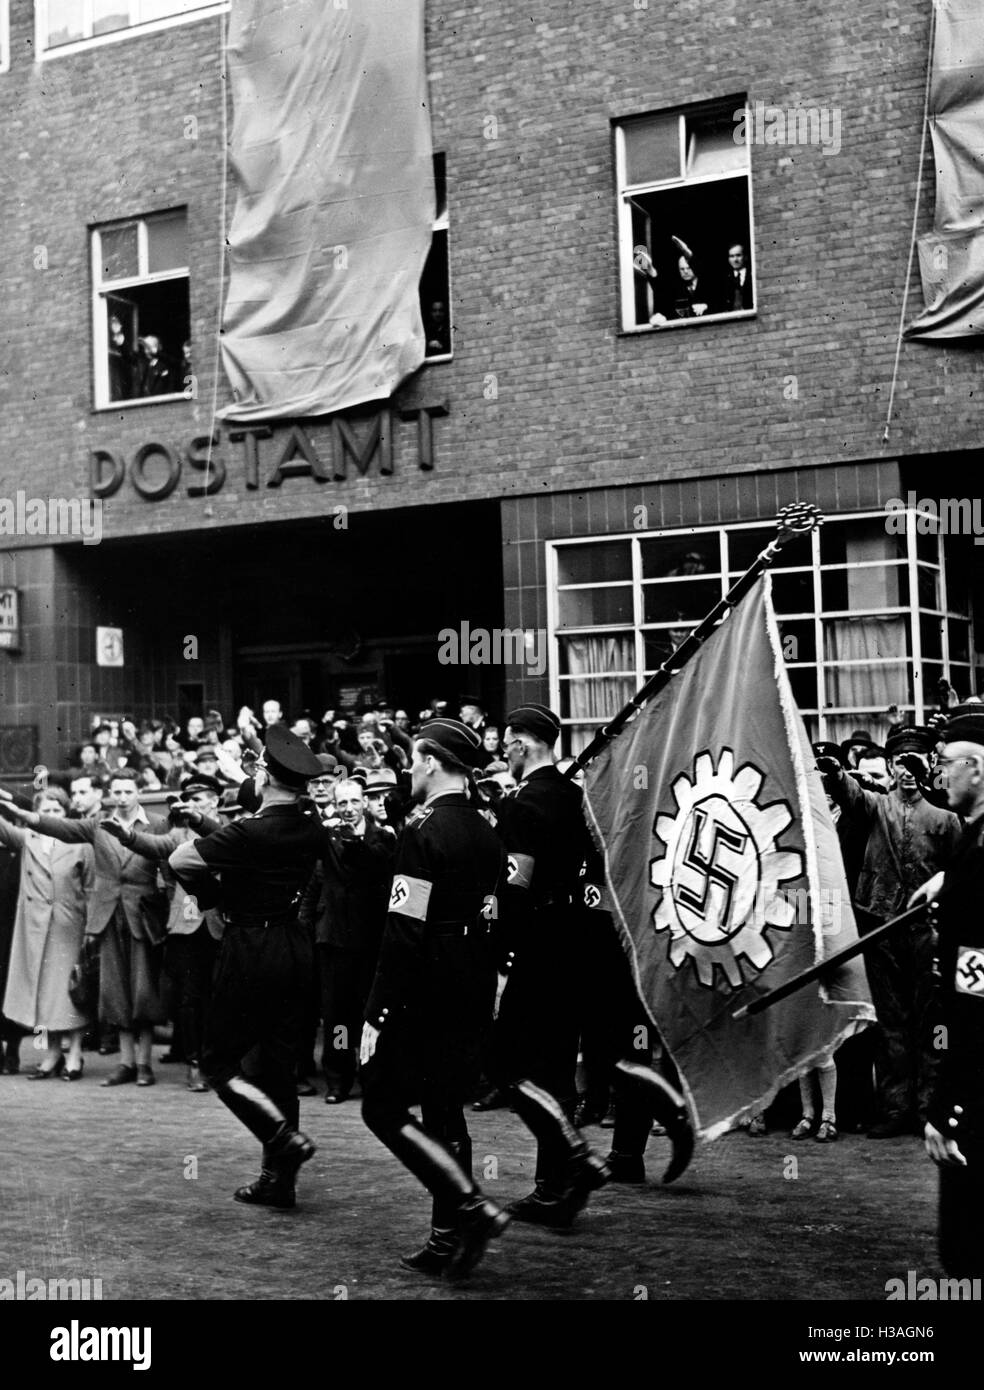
{"x":164,"y":489}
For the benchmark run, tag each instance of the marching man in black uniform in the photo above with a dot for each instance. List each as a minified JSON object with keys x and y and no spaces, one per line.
{"x":265,"y":964}
{"x":431,"y":1002}
{"x":954,"y":1130}
{"x":544,"y":833}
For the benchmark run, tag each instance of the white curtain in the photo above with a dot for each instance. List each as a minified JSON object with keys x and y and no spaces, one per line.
{"x":596,"y":656}
{"x":864,"y":639}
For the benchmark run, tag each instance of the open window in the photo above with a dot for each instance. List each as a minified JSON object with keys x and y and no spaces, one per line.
{"x":63,"y":25}
{"x":435,"y":283}
{"x":685,"y":216}
{"x":141,"y":310}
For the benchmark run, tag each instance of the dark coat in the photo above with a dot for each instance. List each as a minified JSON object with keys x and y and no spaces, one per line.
{"x":347,"y":897}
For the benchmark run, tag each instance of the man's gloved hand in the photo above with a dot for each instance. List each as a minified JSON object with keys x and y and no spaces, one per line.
{"x":830,"y":767}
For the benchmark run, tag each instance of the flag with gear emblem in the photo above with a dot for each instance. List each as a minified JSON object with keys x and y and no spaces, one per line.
{"x":724,"y":873}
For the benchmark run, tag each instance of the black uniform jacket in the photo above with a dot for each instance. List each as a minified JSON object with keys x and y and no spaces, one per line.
{"x":265,"y":861}
{"x":546,"y":839}
{"x":449,"y":862}
{"x":960,"y":1078}
{"x":347,"y":897}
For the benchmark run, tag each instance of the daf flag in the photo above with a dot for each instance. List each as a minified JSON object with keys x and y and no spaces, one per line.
{"x":724,"y":872}
{"x":331,"y":147}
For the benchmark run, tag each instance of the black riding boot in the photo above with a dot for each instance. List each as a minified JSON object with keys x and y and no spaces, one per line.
{"x":566,"y":1171}
{"x":435,"y":1256}
{"x":642,"y":1096}
{"x":284,"y":1149}
{"x":474,"y":1219}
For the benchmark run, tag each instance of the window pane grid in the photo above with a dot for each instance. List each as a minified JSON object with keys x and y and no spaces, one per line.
{"x":892,"y":647}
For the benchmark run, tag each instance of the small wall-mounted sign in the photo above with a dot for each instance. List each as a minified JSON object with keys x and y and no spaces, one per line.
{"x":109,"y":646}
{"x":9,"y":620}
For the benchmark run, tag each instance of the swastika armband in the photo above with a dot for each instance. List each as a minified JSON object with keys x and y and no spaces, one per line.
{"x":410,"y":896}
{"x":594,"y":896}
{"x":520,"y":870}
{"x":969,"y":978}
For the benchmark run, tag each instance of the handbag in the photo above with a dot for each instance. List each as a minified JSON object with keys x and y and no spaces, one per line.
{"x":83,"y":978}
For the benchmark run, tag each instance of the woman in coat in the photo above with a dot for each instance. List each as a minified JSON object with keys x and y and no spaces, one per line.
{"x":55,"y":881}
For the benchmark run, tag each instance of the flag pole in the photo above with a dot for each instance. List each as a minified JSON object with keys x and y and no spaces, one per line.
{"x":856,"y":948}
{"x":798,"y":519}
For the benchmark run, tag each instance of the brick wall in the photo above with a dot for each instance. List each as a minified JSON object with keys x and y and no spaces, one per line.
{"x":102,"y":134}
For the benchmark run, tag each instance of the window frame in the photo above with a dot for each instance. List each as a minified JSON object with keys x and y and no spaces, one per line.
{"x":442,"y":223}
{"x":819,"y":711}
{"x":624,"y":192}
{"x":43,"y":53}
{"x":101,"y":288}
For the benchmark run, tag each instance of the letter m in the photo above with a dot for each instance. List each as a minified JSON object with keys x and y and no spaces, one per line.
{"x":513,"y":649}
{"x":64,"y":1289}
{"x":807,"y":123}
{"x":955,"y":517}
{"x":345,"y":445}
{"x":65,"y":516}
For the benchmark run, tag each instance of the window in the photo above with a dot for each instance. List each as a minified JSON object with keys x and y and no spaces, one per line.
{"x":435,"y":283}
{"x":141,"y":313}
{"x":684,"y":217}
{"x":62,"y":25}
{"x":867,"y":618}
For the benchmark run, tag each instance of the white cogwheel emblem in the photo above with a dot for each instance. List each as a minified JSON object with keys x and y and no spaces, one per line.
{"x":721,"y":871}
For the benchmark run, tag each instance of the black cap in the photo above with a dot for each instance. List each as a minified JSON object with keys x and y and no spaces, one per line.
{"x":201,"y":782}
{"x":289,"y":758}
{"x":915,"y":739}
{"x":470,"y":700}
{"x":455,"y":738}
{"x":328,"y":764}
{"x":860,"y":736}
{"x":537,"y":720}
{"x":965,"y":724}
{"x":829,"y":750}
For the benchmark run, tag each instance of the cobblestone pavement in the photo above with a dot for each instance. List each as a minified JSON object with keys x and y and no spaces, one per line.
{"x":134,"y":1187}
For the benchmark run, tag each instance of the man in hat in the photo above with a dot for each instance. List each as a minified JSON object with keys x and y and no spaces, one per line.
{"x":321,"y":789}
{"x":379,"y":785}
{"x":432,"y":998}
{"x":852,"y":748}
{"x":345,"y":904}
{"x":954,"y":1132}
{"x":908,"y":841}
{"x":472,"y":713}
{"x":546,"y":839}
{"x":265,"y":963}
{"x":192,"y":935}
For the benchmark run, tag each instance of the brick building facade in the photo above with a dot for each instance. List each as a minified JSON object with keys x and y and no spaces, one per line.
{"x":327,"y":556}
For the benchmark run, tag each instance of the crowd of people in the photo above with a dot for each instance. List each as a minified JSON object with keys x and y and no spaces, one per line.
{"x":105,"y":943}
{"x":65,"y":886}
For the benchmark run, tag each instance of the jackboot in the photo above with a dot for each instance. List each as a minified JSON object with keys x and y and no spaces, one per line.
{"x":435,"y":1256}
{"x":567,"y":1170}
{"x":476,"y":1220}
{"x":641,"y":1096}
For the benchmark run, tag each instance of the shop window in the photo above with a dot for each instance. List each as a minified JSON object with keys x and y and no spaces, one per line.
{"x":855,"y":636}
{"x":141,"y":310}
{"x":435,"y":283}
{"x":64,"y":25}
{"x":685,"y":216}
